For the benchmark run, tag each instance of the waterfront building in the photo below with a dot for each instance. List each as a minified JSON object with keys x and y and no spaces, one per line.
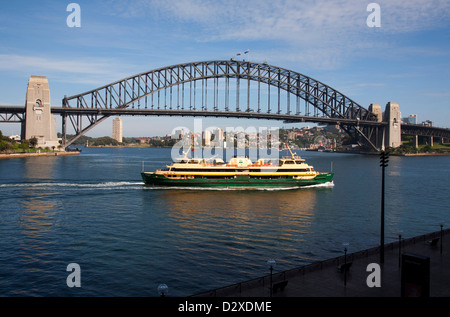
{"x":143,"y":140}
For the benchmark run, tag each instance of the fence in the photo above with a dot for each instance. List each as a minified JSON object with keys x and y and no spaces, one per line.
{"x":264,"y":281}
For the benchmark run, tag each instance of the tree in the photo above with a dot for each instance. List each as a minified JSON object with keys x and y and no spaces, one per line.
{"x":4,"y":146}
{"x":24,"y":145}
{"x":426,"y":149}
{"x":105,"y":141}
{"x":33,"y":142}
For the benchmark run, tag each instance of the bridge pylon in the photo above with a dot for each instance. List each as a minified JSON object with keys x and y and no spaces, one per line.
{"x":393,"y":132}
{"x":389,"y":134}
{"x":39,"y":122}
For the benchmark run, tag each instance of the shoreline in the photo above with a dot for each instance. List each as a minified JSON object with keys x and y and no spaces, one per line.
{"x":128,"y":146}
{"x":21,"y":155}
{"x":425,"y":154}
{"x":391,"y":154}
{"x":144,"y":146}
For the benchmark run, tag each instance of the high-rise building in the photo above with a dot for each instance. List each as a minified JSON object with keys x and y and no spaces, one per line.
{"x":412,"y":119}
{"x":207,"y":137}
{"x":117,"y":131}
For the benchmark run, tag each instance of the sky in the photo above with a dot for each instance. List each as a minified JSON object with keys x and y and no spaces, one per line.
{"x":403,"y":58}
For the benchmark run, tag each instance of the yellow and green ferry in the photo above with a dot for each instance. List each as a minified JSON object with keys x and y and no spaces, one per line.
{"x":240,"y":171}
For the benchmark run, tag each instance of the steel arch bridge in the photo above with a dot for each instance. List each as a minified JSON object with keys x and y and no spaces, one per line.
{"x":241,"y":89}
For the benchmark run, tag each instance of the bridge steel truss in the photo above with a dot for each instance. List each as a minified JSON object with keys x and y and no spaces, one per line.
{"x":262,"y":91}
{"x":418,"y":129}
{"x":12,"y":114}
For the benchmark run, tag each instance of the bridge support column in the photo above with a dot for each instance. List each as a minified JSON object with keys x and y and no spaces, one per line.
{"x":431,"y":141}
{"x":39,"y":122}
{"x":416,"y":139}
{"x":376,"y":110}
{"x":392,"y":115}
{"x":64,"y":130}
{"x":380,"y":132}
{"x":22,"y":130}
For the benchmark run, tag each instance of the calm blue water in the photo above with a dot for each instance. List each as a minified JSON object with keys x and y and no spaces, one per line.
{"x":93,"y":210}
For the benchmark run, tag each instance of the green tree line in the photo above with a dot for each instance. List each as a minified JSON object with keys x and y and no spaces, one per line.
{"x":8,"y":145}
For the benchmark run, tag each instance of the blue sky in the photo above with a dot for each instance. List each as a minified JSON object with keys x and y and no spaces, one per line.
{"x":405,"y":60}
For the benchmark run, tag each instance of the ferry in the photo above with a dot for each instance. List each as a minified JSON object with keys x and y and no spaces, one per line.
{"x":240,"y":171}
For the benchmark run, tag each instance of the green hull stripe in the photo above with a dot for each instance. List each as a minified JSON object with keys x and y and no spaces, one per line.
{"x":240,"y":181}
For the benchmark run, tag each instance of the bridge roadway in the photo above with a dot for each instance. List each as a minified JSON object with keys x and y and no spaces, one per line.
{"x":20,"y":113}
{"x":17,"y":114}
{"x":323,"y":279}
{"x":204,"y":113}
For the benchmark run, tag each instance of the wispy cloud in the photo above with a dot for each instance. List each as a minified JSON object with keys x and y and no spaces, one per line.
{"x":437,"y":94}
{"x":371,"y":84}
{"x":87,"y":71}
{"x":414,"y":15}
{"x":320,"y":33}
{"x":282,"y":19}
{"x":13,"y":61}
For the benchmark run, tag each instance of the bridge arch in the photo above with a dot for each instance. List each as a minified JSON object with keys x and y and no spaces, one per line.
{"x":127,"y":91}
{"x":135,"y":90}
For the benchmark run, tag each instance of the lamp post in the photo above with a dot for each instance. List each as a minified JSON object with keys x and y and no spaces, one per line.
{"x":384,"y":159}
{"x":163,"y":289}
{"x":345,"y":244}
{"x":271,"y":264}
{"x":399,"y":247}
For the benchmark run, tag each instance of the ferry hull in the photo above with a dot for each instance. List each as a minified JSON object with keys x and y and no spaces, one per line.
{"x":240,"y":181}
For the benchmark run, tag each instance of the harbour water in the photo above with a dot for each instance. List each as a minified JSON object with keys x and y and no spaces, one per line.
{"x":94,"y":210}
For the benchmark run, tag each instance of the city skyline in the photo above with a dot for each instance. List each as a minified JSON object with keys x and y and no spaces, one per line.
{"x":404,"y":59}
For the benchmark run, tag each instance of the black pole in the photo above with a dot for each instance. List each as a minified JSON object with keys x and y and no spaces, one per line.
{"x":345,"y":266}
{"x":383,"y":163}
{"x":382,"y":219}
{"x":441,"y":238}
{"x":271,"y":269}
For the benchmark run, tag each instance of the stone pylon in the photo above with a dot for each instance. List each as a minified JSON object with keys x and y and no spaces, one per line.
{"x":376,"y":110}
{"x":39,"y":122}
{"x":393,"y":117}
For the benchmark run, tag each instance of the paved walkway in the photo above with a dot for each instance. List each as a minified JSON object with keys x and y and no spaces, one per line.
{"x":323,"y":279}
